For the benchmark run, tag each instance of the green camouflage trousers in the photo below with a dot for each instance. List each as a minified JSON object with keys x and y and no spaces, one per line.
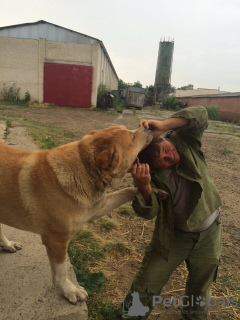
{"x":201,"y":252}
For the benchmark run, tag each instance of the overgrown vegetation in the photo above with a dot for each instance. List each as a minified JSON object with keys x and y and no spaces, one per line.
{"x":12,"y":94}
{"x":102,"y":89}
{"x":119,"y":104}
{"x":213,"y":112}
{"x":172,"y":103}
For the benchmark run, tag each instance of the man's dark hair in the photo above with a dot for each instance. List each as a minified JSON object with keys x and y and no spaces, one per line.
{"x":151,"y":152}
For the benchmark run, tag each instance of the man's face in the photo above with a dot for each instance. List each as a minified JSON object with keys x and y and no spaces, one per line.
{"x":168,"y":155}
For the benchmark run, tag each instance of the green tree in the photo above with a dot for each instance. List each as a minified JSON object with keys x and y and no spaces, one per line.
{"x":171,"y":89}
{"x":122,"y":85}
{"x":188,"y":87}
{"x":137,"y":84}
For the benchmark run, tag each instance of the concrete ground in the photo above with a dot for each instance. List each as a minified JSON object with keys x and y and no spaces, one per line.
{"x":26,"y":290}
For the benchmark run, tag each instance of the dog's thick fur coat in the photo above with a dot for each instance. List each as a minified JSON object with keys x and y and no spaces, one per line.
{"x":54,"y":192}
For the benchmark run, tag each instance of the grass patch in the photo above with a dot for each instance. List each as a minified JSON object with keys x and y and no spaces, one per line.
{"x":117,"y":247}
{"x":229,"y":128}
{"x":98,"y":310}
{"x":43,"y":136}
{"x":85,"y":250}
{"x":226,"y":151}
{"x":126,"y":210}
{"x":106,"y":224}
{"x":21,"y":104}
{"x":47,"y":137}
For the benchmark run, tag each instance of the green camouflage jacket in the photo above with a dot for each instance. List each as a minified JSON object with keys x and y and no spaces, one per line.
{"x":204,"y":198}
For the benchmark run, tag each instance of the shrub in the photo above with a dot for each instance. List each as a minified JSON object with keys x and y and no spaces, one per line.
{"x":102,"y":89}
{"x":10,"y":93}
{"x":171,"y":103}
{"x":213,"y":112}
{"x":118,"y":103}
{"x":27,"y":97}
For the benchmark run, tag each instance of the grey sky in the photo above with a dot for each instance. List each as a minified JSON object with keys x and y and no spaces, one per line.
{"x":205,"y":32}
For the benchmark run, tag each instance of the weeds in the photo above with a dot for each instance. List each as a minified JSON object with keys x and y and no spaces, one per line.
{"x":10,"y":93}
{"x":119,"y":104}
{"x":7,"y":131}
{"x":43,"y":136}
{"x":102,"y":89}
{"x":27,"y":97}
{"x":213,"y":112}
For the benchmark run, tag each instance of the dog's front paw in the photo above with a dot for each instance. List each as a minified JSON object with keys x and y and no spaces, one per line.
{"x":77,"y":294}
{"x":12,"y":246}
{"x":74,"y":293}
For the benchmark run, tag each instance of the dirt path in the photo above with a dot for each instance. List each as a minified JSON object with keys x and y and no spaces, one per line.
{"x":222,"y":152}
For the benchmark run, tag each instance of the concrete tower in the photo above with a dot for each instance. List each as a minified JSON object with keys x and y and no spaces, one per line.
{"x":164,"y":70}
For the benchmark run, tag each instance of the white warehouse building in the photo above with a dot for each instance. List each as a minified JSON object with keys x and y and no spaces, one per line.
{"x":54,"y":64}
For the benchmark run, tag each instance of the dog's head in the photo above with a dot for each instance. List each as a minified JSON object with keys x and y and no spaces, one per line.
{"x":115,"y":149}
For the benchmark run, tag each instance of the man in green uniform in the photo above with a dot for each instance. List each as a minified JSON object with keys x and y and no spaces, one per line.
{"x":187,"y":226}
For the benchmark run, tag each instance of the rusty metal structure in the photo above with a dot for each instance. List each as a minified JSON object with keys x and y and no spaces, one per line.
{"x":163,"y":71}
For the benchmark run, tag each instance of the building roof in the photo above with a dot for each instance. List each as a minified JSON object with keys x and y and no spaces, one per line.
{"x":197,"y":92}
{"x":52,"y":32}
{"x":222,"y":95}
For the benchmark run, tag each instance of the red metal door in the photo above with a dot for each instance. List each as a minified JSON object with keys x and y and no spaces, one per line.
{"x":68,"y":84}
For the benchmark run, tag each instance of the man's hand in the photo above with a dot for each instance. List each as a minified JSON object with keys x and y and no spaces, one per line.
{"x":141,"y":175}
{"x":159,"y":127}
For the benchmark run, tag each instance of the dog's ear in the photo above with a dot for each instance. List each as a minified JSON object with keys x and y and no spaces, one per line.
{"x":107,"y":159}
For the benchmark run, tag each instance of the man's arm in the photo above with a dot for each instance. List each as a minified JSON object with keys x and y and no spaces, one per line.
{"x":160,"y":127}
